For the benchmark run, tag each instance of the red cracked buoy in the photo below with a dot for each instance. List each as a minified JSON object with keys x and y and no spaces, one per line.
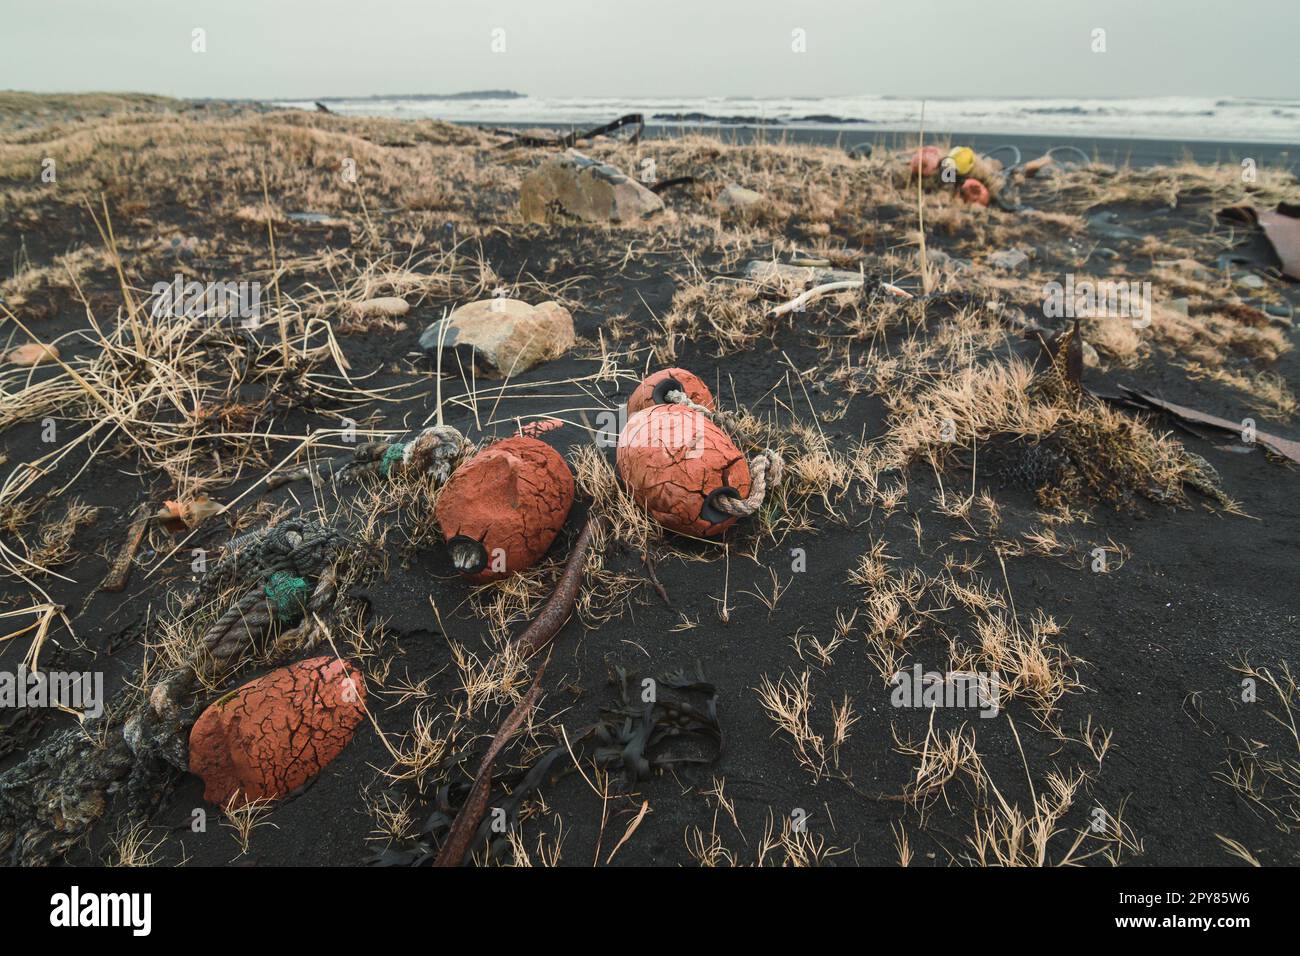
{"x":501,"y":510}
{"x":676,"y":462}
{"x":278,"y":731}
{"x":654,"y":389}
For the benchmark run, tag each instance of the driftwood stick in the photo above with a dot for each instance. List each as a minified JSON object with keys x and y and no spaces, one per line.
{"x":536,"y":636}
{"x":817,"y":291}
{"x":467,"y":820}
{"x":555,"y":612}
{"x":119,"y":572}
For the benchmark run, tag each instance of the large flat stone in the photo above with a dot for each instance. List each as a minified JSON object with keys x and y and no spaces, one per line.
{"x":582,"y":188}
{"x":502,"y":336}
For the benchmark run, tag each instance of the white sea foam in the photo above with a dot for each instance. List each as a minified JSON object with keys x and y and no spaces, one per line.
{"x":1175,"y":118}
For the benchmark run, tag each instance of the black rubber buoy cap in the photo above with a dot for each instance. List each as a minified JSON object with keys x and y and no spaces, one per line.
{"x":467,"y":554}
{"x":710,"y":512}
{"x":660,"y":394}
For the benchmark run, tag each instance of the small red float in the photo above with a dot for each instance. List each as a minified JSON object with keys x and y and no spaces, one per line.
{"x":974,"y":192}
{"x":500,"y":511}
{"x":925,"y":162}
{"x":677,"y":463}
{"x":654,"y":390}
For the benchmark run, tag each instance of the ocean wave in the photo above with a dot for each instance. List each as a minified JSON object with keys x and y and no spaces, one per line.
{"x":1226,"y":119}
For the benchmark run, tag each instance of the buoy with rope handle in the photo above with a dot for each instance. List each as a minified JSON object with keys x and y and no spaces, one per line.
{"x":655,"y":389}
{"x":682,"y":467}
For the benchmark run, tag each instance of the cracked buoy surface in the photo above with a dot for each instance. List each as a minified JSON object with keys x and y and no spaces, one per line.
{"x":654,"y":389}
{"x":674,"y":460}
{"x":500,"y":511}
{"x":277,"y":732}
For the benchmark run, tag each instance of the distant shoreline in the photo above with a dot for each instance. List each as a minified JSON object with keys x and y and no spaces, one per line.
{"x":408,"y":97}
{"x":1116,"y":150}
{"x":1169,"y":118}
{"x":1107,"y":149}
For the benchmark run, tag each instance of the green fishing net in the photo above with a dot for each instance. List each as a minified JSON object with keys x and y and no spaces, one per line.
{"x":392,"y":453}
{"x":287,"y":594}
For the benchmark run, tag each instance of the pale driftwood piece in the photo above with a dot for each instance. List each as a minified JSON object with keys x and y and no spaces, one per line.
{"x":818,"y":291}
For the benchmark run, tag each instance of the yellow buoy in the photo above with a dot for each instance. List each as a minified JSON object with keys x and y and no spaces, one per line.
{"x":963,"y":159}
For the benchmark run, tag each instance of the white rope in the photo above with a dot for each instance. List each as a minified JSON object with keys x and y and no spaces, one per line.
{"x":765,"y":470}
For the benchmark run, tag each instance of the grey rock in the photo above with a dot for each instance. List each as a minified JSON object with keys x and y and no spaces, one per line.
{"x":765,"y":272}
{"x":1008,"y":259}
{"x":1279,"y":315}
{"x":584,"y":189}
{"x":1107,"y":224}
{"x":741,"y":203}
{"x":502,"y":336}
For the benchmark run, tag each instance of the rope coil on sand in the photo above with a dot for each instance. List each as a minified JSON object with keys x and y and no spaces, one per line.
{"x":435,"y":450}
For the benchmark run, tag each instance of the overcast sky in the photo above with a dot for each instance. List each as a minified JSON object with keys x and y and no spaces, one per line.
{"x":292,"y":49}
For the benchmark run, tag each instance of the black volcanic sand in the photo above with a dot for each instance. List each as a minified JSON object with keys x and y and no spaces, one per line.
{"x":1160,"y":636}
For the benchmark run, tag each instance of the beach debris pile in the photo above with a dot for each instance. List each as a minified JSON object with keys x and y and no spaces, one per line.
{"x":977,"y":179}
{"x":277,"y":732}
{"x":574,"y":185}
{"x":1109,"y":455}
{"x":140,"y":746}
{"x":632,"y":123}
{"x":501,"y":510}
{"x":501,"y":336}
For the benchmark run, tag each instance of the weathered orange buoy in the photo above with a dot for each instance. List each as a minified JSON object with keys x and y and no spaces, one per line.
{"x":501,"y":510}
{"x":677,"y":463}
{"x":654,"y":389}
{"x":278,"y":731}
{"x":974,"y":192}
